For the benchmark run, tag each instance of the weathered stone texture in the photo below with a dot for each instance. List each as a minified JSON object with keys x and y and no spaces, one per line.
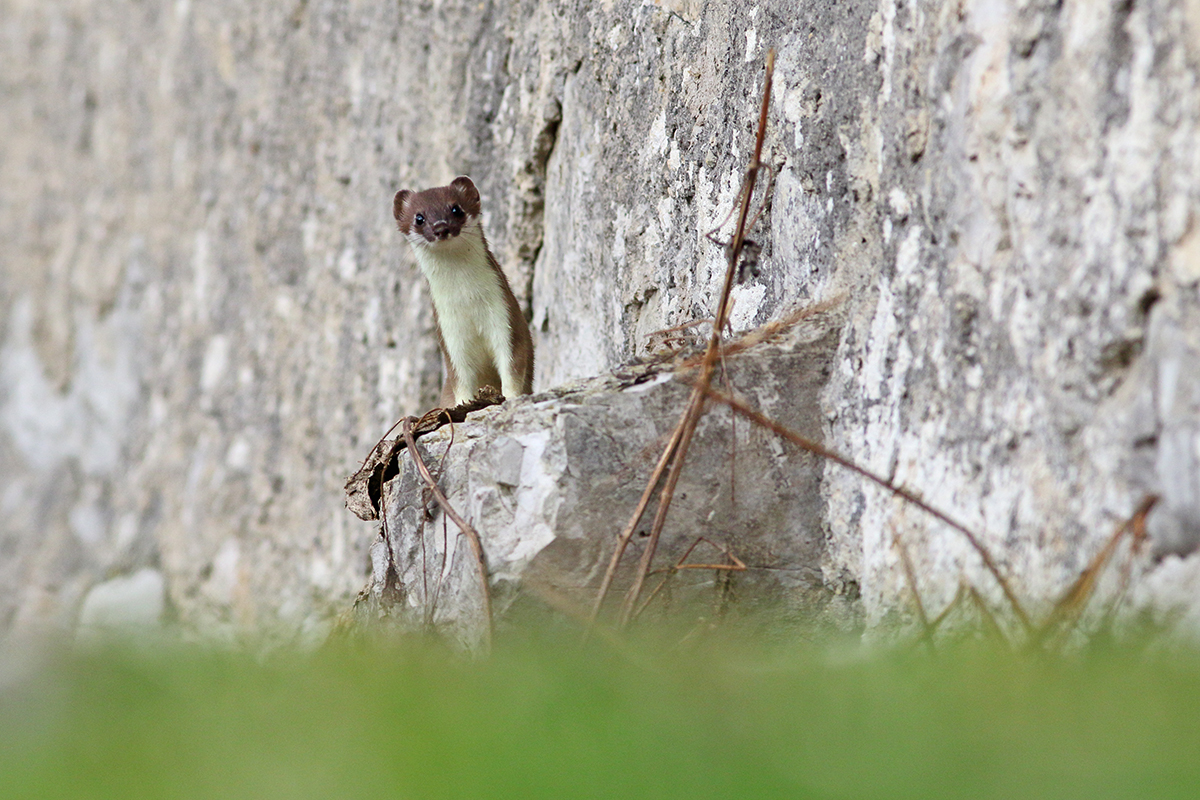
{"x":1027,"y":355}
{"x":549,"y":483}
{"x":207,"y":315}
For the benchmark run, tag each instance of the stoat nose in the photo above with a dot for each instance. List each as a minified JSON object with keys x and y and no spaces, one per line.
{"x":441,"y":229}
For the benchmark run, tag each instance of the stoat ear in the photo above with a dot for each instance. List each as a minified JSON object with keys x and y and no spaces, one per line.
{"x":469,"y":194}
{"x":464,"y":184}
{"x":398,"y":203}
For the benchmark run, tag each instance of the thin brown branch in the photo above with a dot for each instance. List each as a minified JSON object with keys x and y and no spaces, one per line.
{"x":670,"y":571}
{"x":770,"y":330}
{"x":682,"y":327}
{"x":431,"y":605}
{"x":737,"y":566}
{"x":428,"y":615}
{"x":910,"y":575}
{"x":429,"y":422}
{"x":954,"y":603}
{"x":687,"y":428}
{"x":695,"y":407}
{"x":824,"y":452}
{"x":1135,"y":549}
{"x":631,"y":526}
{"x":676,"y":450}
{"x":733,"y":495}
{"x":470,"y":532}
{"x":381,"y":460}
{"x":758,"y":212}
{"x":1069,"y":608}
{"x":989,"y":619}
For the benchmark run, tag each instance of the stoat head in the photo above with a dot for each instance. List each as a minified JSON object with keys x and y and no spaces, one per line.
{"x":436,"y":217}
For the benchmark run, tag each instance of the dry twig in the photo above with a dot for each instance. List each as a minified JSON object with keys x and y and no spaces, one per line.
{"x":954,"y":603}
{"x":770,"y":330}
{"x":431,"y":603}
{"x":1139,"y":536}
{"x":365,"y":487}
{"x":676,"y":453}
{"x":736,"y":566}
{"x":1069,"y":608}
{"x":824,"y":452}
{"x":989,"y":619}
{"x":631,"y":526}
{"x":470,"y":532}
{"x":910,"y":575}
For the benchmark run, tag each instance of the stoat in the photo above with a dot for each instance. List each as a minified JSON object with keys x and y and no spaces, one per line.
{"x":482,"y":334}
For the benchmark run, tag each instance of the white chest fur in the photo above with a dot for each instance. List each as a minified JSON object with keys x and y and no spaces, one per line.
{"x":471,"y":310}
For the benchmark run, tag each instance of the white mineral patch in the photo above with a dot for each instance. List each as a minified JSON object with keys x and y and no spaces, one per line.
{"x":216,"y":362}
{"x":751,"y":45}
{"x":130,"y":605}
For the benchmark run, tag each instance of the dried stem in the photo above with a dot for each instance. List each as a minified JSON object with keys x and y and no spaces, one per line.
{"x":954,"y":603}
{"x":687,"y":427}
{"x":431,"y":605}
{"x":910,"y":575}
{"x":695,"y":407}
{"x":1070,"y":606}
{"x":676,"y":451}
{"x":989,"y":619}
{"x":470,"y":532}
{"x":770,"y":330}
{"x":737,"y":566}
{"x":631,"y":526}
{"x":824,"y":452}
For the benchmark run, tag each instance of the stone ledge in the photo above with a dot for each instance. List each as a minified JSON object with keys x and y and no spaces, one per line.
{"x":550,"y":479}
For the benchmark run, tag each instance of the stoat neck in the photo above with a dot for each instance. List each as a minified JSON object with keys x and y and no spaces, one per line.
{"x":467,"y":251}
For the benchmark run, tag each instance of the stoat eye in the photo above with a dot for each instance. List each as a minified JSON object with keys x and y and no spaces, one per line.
{"x":457,"y":211}
{"x":419,"y":220}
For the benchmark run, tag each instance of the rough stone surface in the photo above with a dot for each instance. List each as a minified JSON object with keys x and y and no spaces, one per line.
{"x":1025,"y":352}
{"x":206,"y":315}
{"x":550,"y":481}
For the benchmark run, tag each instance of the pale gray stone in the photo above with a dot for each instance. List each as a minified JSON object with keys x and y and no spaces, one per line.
{"x":130,"y":605}
{"x":548,"y":533}
{"x":508,"y":458}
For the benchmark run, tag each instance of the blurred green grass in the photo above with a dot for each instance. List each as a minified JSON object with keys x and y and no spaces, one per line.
{"x":547,"y":718}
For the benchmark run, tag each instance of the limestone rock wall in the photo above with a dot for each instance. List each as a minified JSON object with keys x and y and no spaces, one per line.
{"x":1026,"y":351}
{"x":207,"y":315}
